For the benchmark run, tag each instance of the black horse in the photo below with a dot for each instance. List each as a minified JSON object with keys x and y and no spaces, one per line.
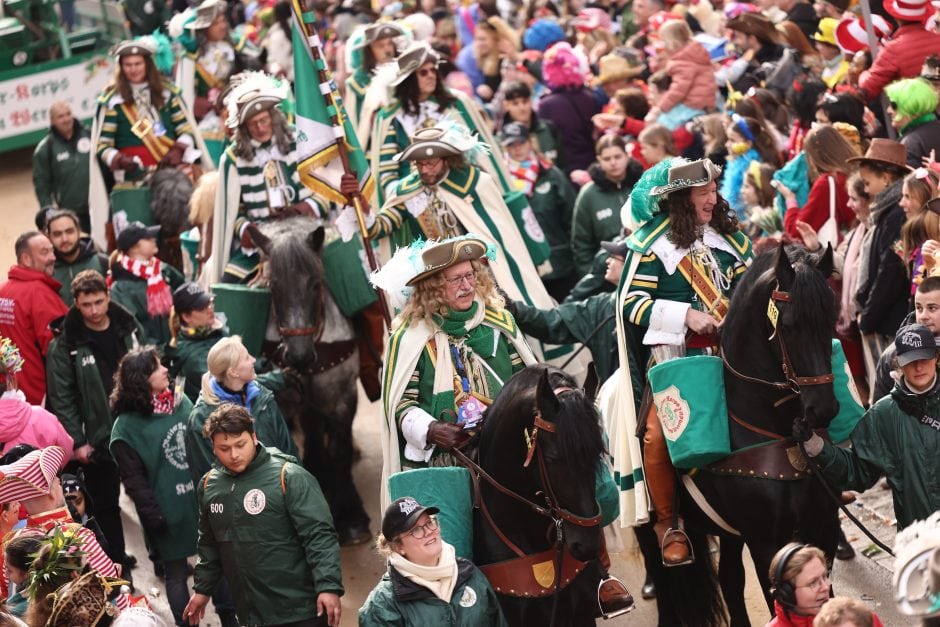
{"x":775,"y":373}
{"x":319,"y":355}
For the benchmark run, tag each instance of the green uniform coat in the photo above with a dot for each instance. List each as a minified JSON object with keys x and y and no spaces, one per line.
{"x":160,"y":442}
{"x":903,"y":447}
{"x":130,"y":292}
{"x":270,"y":531}
{"x":398,"y":601}
{"x":270,"y":427}
{"x":552,"y":200}
{"x":597,"y":214}
{"x":75,"y":392}
{"x":60,"y":170}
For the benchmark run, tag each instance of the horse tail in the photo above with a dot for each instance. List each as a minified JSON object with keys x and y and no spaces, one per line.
{"x":202,"y":202}
{"x":686,"y":596}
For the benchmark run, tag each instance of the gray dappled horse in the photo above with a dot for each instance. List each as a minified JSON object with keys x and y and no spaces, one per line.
{"x":321,"y":363}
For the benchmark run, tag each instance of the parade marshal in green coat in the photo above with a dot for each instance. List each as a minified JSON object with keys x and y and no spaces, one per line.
{"x":898,"y":438}
{"x":265,"y":526}
{"x":453,"y":349}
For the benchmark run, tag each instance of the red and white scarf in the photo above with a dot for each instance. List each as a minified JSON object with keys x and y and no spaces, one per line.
{"x":525,"y":174}
{"x":163,"y":403}
{"x":159,"y":298}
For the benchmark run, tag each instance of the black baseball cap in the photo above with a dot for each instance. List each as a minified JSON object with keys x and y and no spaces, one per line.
{"x":402,"y":515}
{"x":513,"y":133}
{"x":913,"y":342}
{"x":190,"y":297}
{"x":618,"y":248}
{"x":133,"y":233}
{"x":71,"y":483}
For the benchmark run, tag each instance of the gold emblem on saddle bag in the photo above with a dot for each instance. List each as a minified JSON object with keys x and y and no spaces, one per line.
{"x":544,"y":573}
{"x":797,"y":459}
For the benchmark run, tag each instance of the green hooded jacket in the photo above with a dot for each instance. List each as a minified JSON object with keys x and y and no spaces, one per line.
{"x":75,"y":392}
{"x":552,"y":201}
{"x":131,"y":292}
{"x":188,"y":359}
{"x":270,"y":531}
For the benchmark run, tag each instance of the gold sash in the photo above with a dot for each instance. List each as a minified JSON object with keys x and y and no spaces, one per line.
{"x":142,"y":128}
{"x":714,"y":301}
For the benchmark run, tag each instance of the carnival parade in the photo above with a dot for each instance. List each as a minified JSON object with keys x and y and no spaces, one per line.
{"x":478,"y":313}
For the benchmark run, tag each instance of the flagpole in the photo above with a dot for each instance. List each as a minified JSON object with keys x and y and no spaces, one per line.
{"x":323,"y":75}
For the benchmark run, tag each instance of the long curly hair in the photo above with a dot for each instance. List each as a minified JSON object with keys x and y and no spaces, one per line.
{"x":409,"y":96}
{"x":427,"y":300}
{"x":283,"y":135}
{"x":132,"y":391}
{"x":923,"y":223}
{"x":685,"y":229}
{"x":154,"y":80}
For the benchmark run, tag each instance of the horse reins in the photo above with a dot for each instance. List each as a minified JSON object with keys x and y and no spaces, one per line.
{"x":316,"y":329}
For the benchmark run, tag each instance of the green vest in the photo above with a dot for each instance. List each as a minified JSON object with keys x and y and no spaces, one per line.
{"x":160,"y":441}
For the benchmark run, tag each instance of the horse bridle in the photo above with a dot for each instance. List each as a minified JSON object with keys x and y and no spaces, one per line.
{"x":316,"y":329}
{"x":794,"y":383}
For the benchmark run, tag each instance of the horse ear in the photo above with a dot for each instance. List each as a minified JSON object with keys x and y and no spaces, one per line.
{"x":260,"y":239}
{"x":825,"y":263}
{"x":592,"y":383}
{"x":315,"y":239}
{"x":784,"y":269}
{"x":544,"y":396}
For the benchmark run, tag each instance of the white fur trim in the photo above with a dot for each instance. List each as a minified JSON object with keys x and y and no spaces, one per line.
{"x":414,"y":426}
{"x":667,"y":323}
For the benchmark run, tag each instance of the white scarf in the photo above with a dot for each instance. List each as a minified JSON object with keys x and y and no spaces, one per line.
{"x":440,"y":579}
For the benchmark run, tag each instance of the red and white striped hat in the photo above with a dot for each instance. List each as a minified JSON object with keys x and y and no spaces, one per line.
{"x":909,"y":10}
{"x":31,"y":476}
{"x":851,"y":35}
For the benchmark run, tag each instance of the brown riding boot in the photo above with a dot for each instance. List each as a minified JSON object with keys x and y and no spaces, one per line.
{"x":370,"y":335}
{"x":661,"y":483}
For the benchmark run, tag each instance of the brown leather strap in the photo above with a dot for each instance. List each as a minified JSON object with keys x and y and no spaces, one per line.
{"x":755,"y":429}
{"x":533,"y":575}
{"x":332,"y":354}
{"x":769,"y":461}
{"x":499,"y":533}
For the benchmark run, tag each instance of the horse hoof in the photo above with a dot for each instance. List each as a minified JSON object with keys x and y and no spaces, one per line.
{"x":844,"y":551}
{"x":354,"y":535}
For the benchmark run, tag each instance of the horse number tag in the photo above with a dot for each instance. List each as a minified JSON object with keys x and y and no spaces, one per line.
{"x":772,"y":313}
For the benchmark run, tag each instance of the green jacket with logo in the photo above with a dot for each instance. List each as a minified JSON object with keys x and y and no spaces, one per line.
{"x":899,"y":437}
{"x":597,"y":213}
{"x":552,"y":201}
{"x":60,"y":170}
{"x":270,"y":426}
{"x":159,"y":441}
{"x":188,"y":359}
{"x":131,"y":292}
{"x":270,"y":531}
{"x":398,"y":601}
{"x":75,"y":392}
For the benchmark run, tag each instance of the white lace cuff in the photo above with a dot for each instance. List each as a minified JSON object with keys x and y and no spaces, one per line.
{"x":414,"y":426}
{"x":667,"y":323}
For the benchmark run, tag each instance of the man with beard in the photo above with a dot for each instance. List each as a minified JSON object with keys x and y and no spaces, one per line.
{"x":29,"y":301}
{"x":60,"y":165}
{"x":74,"y":252}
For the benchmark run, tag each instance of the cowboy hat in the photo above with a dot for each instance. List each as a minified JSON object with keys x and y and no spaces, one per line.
{"x":614,"y":67}
{"x":427,"y":143}
{"x":439,"y":257}
{"x":884,"y":152}
{"x":683,"y":174}
{"x":755,"y":24}
{"x":413,"y":58}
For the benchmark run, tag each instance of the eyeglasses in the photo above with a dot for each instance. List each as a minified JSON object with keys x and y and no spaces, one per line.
{"x":426,"y":71}
{"x":470,"y":278}
{"x":421,"y":531}
{"x":818,"y":582}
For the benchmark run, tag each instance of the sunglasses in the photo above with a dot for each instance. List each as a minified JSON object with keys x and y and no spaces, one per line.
{"x":426,"y":71}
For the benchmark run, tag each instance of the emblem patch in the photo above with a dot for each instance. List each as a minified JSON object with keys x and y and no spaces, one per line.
{"x":468,"y":598}
{"x":174,"y":447}
{"x":673,"y":412}
{"x":543,"y":188}
{"x":851,"y":386}
{"x":254,"y":502}
{"x":83,"y":145}
{"x":544,"y":573}
{"x":532,"y":227}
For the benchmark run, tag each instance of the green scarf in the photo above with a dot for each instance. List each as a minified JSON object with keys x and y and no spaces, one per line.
{"x":924,"y":119}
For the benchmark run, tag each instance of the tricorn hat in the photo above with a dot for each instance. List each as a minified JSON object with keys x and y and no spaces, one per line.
{"x":381,"y":30}
{"x":133,"y":47}
{"x":206,"y":13}
{"x":441,"y":256}
{"x":615,"y":67}
{"x":683,"y":174}
{"x":427,"y":143}
{"x":255,"y":92}
{"x":755,"y":24}
{"x":414,"y":57}
{"x":884,"y":152}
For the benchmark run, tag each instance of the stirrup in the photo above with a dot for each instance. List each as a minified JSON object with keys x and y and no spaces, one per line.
{"x":673,"y":535}
{"x":616,"y":608}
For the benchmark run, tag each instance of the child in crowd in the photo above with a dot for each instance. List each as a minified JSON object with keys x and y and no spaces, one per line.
{"x":920,"y":224}
{"x":692,"y":89}
{"x":747,"y":141}
{"x":758,"y":195}
{"x":656,"y":143}
{"x":712,"y":129}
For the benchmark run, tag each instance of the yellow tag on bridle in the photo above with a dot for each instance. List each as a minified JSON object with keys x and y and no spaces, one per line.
{"x":772,"y":313}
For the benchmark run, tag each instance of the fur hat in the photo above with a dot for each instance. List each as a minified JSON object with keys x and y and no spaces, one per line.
{"x":563,"y":66}
{"x":31,"y":476}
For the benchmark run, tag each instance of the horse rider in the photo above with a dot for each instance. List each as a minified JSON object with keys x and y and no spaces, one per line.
{"x":445,"y":197}
{"x":682,"y":265}
{"x":367,"y":49}
{"x":258,"y":174}
{"x":211,"y":56}
{"x":452,"y":349}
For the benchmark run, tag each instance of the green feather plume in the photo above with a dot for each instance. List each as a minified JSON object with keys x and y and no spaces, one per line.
{"x":643,"y":205}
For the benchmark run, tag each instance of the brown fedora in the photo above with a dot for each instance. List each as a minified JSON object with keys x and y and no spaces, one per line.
{"x":439,"y":257}
{"x":884,"y":152}
{"x":757,"y":25}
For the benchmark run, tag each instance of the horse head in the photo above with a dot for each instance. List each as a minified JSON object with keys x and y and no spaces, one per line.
{"x":296,"y":279}
{"x":542,"y":438}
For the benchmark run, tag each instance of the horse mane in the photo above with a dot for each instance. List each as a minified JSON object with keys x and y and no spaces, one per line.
{"x":578,"y":438}
{"x":292,"y":250}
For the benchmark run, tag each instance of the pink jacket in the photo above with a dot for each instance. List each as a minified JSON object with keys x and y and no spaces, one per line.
{"x":901,"y":57}
{"x":22,"y":423}
{"x":693,"y":79}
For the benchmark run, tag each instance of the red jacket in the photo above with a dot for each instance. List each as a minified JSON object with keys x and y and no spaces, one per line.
{"x":901,"y":57}
{"x":783,"y":618}
{"x":29,"y":301}
{"x":816,"y":210}
{"x":693,"y":79}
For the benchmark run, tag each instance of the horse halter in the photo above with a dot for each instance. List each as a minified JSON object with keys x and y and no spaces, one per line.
{"x":316,"y":329}
{"x":794,"y":383}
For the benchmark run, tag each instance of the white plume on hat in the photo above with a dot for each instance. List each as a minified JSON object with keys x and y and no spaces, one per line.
{"x":253,"y":87}
{"x":458,"y":135}
{"x":394,"y":275}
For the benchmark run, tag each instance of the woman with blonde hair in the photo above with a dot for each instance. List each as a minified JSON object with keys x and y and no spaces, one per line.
{"x":921,"y":224}
{"x":232,"y":379}
{"x":482,"y":61}
{"x":826,"y":154}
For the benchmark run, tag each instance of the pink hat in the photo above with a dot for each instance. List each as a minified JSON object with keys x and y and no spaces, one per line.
{"x":909,"y":10}
{"x":562,"y":66}
{"x":592,"y":19}
{"x":851,"y":35}
{"x":31,"y":476}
